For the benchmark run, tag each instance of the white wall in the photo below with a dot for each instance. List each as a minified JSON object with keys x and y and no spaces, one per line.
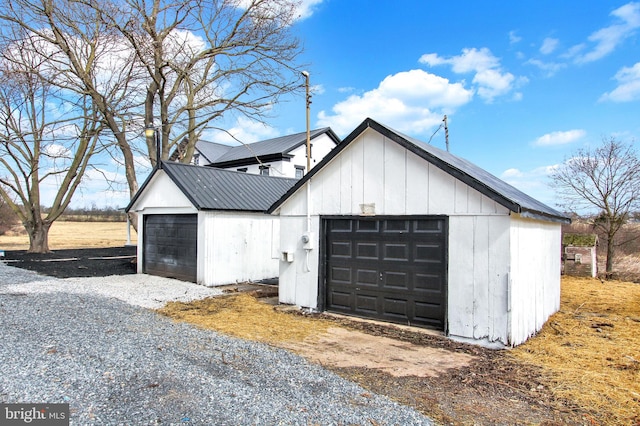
{"x":237,"y":247}
{"x":478,"y":278}
{"x":536,"y":248}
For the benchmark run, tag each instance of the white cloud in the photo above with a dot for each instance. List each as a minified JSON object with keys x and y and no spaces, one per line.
{"x":628,"y":85}
{"x":302,"y":9}
{"x":549,"y":45}
{"x":514,"y":38}
{"x":346,"y":89}
{"x":606,"y":39}
{"x":55,"y":150}
{"x":534,"y":183}
{"x":560,"y":137}
{"x":244,"y":131}
{"x":307,"y":7}
{"x":550,"y":68}
{"x":491,"y":80}
{"x":411,"y":101}
{"x":317,"y":89}
{"x":492,"y":83}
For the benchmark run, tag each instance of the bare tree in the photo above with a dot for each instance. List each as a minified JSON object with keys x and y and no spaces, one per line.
{"x":45,"y":140}
{"x":188,"y":63}
{"x":605,"y":179}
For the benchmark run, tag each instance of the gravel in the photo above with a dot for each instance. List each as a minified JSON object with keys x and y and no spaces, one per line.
{"x":92,"y":343}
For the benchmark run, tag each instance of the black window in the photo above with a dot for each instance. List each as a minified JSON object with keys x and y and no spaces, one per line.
{"x":244,"y":170}
{"x":264,"y":170}
{"x":299,"y":172}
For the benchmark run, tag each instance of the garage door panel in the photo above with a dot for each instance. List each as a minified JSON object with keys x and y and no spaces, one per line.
{"x":341,"y":301}
{"x":396,"y":252}
{"x":397,"y":271}
{"x":341,"y":249}
{"x":170,"y":246}
{"x":366,"y":304}
{"x":367,"y":277}
{"x":368,"y":250}
{"x":429,"y":282}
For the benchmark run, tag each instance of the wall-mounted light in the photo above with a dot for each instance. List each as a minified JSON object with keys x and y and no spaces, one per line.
{"x":152,"y":132}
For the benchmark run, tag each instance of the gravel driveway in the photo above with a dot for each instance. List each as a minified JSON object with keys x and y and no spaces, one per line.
{"x":92,"y":342}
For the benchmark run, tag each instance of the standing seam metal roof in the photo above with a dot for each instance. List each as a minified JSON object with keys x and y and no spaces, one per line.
{"x":280,"y":145}
{"x":209,"y":188}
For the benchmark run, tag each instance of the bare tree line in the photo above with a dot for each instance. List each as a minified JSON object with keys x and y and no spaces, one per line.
{"x":108,"y":69}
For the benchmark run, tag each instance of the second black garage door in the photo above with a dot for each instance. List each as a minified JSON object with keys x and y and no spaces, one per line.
{"x":391,"y":269}
{"x":171,"y":246}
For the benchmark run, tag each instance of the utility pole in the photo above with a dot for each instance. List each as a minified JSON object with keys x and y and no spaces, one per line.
{"x":308,"y":101}
{"x":446,"y":132}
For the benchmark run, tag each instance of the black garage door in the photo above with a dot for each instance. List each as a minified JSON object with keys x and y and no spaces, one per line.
{"x":393,"y":269}
{"x":171,"y":245}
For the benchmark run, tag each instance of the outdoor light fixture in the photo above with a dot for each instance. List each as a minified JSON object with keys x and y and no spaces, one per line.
{"x":150,"y":132}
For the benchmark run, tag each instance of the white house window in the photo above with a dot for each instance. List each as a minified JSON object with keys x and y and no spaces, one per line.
{"x":299,"y":172}
{"x":196,"y":159}
{"x":264,"y":170}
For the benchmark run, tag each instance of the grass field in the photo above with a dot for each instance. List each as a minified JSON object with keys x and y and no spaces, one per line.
{"x":73,"y":235}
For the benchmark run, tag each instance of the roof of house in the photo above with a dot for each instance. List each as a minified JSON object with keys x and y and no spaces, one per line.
{"x":211,"y":150}
{"x":272,"y":147}
{"x":209,"y":188}
{"x":467,"y":172}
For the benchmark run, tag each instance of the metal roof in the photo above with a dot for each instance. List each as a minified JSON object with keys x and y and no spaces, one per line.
{"x":211,"y":150}
{"x":276,"y":146}
{"x":474,"y":176}
{"x":209,"y":188}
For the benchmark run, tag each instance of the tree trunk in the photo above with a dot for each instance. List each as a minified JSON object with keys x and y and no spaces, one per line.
{"x":610,"y":255}
{"x":38,"y":237}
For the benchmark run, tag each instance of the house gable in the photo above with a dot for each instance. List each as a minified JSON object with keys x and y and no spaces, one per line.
{"x":161,"y":192}
{"x":455,"y":167}
{"x":375,"y":175}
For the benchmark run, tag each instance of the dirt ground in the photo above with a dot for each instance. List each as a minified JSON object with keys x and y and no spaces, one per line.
{"x":99,"y":262}
{"x":453,"y":383}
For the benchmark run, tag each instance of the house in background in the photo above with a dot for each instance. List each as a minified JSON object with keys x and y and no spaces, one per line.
{"x":208,"y":225}
{"x":285,"y":156}
{"x":390,"y":228}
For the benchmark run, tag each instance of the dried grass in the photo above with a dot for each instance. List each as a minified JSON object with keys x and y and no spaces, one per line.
{"x":591,"y":348}
{"x":242,"y":315}
{"x":73,"y":235}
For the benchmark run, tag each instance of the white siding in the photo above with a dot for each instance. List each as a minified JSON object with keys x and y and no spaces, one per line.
{"x":535,"y":276}
{"x":161,"y":192}
{"x":478,"y":278}
{"x":236,"y":247}
{"x":373,"y":170}
{"x":503,"y":271}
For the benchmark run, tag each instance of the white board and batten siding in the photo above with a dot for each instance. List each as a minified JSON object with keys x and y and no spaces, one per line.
{"x":536,"y":249}
{"x":237,"y":247}
{"x":483,"y":238}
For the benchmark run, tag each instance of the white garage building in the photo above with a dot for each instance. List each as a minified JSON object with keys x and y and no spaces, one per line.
{"x":390,"y":228}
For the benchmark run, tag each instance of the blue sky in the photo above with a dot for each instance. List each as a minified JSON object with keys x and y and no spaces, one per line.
{"x":523,"y":83}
